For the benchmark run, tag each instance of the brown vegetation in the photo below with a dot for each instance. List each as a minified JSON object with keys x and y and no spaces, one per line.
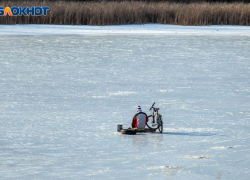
{"x":132,"y":12}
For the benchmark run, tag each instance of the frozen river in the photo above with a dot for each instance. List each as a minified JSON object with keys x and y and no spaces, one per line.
{"x":63,"y":95}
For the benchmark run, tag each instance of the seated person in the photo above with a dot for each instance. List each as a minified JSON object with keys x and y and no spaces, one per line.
{"x":140,"y":119}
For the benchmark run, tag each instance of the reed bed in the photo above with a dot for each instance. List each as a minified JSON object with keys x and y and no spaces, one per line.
{"x":132,"y":12}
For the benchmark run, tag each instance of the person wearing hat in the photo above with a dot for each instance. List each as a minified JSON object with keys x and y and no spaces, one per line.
{"x":140,"y":119}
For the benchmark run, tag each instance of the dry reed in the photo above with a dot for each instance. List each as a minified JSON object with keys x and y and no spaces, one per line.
{"x":132,"y":12}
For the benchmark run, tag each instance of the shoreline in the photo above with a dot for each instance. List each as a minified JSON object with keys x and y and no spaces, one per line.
{"x":146,"y":29}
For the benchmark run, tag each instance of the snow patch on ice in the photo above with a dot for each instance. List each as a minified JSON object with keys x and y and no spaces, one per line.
{"x":162,"y":91}
{"x":221,"y":147}
{"x":155,"y":167}
{"x":99,"y":172}
{"x":99,"y":97}
{"x":165,"y":90}
{"x":169,"y":170}
{"x":122,"y":93}
{"x":159,"y":167}
{"x":195,"y":157}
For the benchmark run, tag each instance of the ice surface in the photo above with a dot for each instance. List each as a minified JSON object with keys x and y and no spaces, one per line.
{"x":63,"y":95}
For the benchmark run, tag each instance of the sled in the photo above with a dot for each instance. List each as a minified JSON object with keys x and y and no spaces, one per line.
{"x":133,"y":131}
